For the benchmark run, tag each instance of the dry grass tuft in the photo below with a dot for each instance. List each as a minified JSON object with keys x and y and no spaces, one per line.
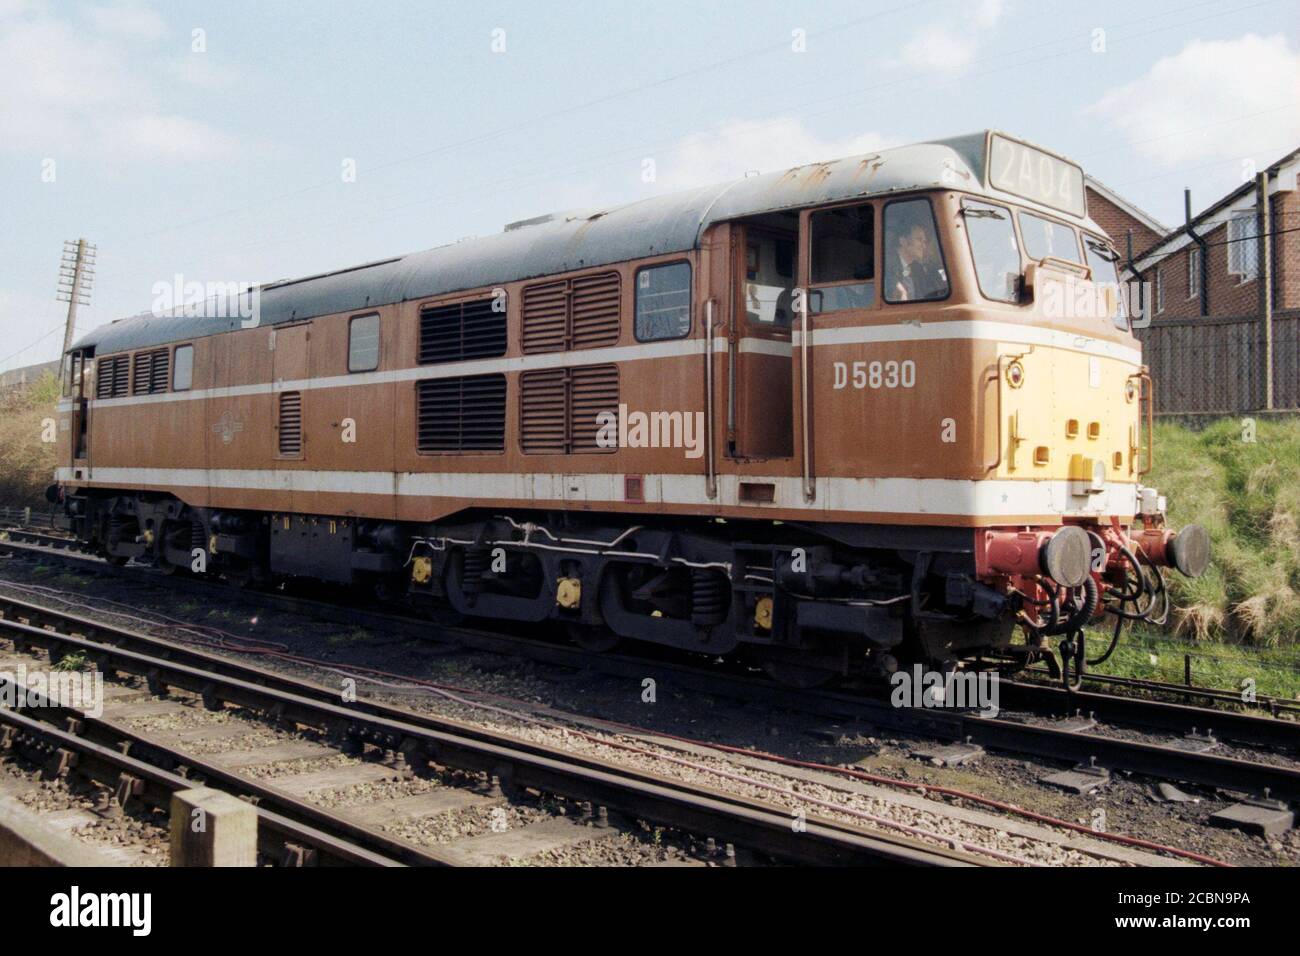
{"x":1247,"y":494}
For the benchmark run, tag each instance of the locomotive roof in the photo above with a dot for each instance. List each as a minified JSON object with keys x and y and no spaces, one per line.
{"x":567,"y":241}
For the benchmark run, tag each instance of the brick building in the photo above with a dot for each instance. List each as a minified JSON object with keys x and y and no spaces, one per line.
{"x":1119,"y":217}
{"x":1228,"y":254}
{"x":1220,"y":340}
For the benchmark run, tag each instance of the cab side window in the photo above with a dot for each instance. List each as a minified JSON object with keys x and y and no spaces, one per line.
{"x":663,"y":302}
{"x":843,"y":262}
{"x":914,"y":267}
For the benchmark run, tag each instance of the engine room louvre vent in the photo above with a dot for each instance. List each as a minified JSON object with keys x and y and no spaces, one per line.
{"x":112,"y":377}
{"x":291,"y":423}
{"x":559,"y":409}
{"x":579,"y":313}
{"x":464,"y":330}
{"x":461,"y":414}
{"x":149,"y":375}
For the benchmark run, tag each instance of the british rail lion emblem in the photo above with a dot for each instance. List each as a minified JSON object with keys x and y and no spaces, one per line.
{"x":227,"y":427}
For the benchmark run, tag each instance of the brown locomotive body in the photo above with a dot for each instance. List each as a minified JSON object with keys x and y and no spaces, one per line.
{"x":615,"y":419}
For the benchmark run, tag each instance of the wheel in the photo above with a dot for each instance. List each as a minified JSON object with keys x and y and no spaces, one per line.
{"x":593,"y":638}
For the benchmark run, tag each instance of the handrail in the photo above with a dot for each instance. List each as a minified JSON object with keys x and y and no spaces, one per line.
{"x":997,"y":380}
{"x":711,"y":478}
{"x":805,"y":398}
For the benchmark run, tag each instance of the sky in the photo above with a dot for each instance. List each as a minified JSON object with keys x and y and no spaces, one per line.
{"x":252,"y":141}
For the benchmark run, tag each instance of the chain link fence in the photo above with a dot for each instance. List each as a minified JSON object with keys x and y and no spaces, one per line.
{"x":1218,"y":366}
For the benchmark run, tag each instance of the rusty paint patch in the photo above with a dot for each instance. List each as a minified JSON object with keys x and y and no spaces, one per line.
{"x":869,"y":165}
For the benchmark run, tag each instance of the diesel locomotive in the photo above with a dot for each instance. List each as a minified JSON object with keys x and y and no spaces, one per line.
{"x":832,"y":418}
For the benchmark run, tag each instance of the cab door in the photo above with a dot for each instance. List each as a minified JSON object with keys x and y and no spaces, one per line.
{"x":759,"y":410}
{"x":80,"y":416}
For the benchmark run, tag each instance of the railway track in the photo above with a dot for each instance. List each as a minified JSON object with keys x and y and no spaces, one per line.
{"x":398,"y":742}
{"x":1082,"y":735}
{"x":1275,"y":706}
{"x":50,"y":541}
{"x":26,"y":517}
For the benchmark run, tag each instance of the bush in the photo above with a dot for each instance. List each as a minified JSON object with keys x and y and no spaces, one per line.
{"x":1247,"y":495}
{"x":26,"y":462}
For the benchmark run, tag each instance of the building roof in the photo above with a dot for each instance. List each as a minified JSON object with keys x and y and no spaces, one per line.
{"x":1141,"y":215}
{"x":1282,"y":175}
{"x":564,"y":242}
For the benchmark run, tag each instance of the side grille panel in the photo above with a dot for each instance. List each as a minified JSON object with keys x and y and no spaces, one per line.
{"x":158,"y":374}
{"x":140,"y":374}
{"x":291,"y":424}
{"x":595,"y":311}
{"x":465,"y":330}
{"x":149,"y":372}
{"x":559,"y":409}
{"x":581,"y":313}
{"x":461,"y":414}
{"x":592,"y":389}
{"x":112,"y":377}
{"x":545,"y":317}
{"x":543,"y":403}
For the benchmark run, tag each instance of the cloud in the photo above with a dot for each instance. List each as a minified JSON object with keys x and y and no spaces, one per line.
{"x":949,"y":45}
{"x":938,"y":48}
{"x":1211,"y":101}
{"x":174,"y":137}
{"x":764,"y":145}
{"x":90,"y":85}
{"x":13,"y":8}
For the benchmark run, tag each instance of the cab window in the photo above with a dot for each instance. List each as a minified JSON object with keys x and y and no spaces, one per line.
{"x":663,"y":302}
{"x":994,"y":249}
{"x":914,"y":268}
{"x":1102,"y":259}
{"x":843,"y":260}
{"x":1046,"y":237}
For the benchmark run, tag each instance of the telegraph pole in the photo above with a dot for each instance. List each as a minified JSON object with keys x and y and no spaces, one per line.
{"x":76,"y":275}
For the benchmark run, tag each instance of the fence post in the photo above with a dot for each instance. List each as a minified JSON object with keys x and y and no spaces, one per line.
{"x":1266,"y":286}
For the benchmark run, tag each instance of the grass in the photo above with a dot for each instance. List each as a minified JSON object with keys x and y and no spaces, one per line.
{"x":76,"y":661}
{"x":1151,"y":655}
{"x":27,"y":462}
{"x":1247,"y":495}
